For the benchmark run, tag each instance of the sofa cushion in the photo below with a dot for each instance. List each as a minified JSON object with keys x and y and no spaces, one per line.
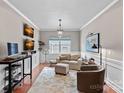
{"x":63,"y":58}
{"x":64,"y":61}
{"x":85,"y":63}
{"x":73,"y":62}
{"x":90,"y":62}
{"x":75,"y":57}
{"x":68,"y":56}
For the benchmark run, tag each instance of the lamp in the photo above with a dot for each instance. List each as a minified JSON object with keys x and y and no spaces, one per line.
{"x":60,"y":30}
{"x":41,"y":44}
{"x":100,"y":54}
{"x":45,"y":52}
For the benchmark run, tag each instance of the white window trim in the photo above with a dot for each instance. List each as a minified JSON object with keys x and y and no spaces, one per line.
{"x":60,"y":45}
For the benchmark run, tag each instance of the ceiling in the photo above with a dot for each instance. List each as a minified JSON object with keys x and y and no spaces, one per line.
{"x":74,"y":13}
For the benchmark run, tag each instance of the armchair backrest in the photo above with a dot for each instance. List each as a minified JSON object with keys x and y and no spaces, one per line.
{"x":90,"y":81}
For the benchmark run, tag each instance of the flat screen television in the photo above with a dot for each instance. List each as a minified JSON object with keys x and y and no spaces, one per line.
{"x":28,"y":31}
{"x":12,"y":48}
{"x":28,"y":44}
{"x":93,"y":42}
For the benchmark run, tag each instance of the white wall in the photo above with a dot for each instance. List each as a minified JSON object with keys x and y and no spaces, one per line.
{"x":73,"y":35}
{"x":109,"y":25}
{"x":11,"y":30}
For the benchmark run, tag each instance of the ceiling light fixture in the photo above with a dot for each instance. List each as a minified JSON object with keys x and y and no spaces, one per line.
{"x":60,"y":30}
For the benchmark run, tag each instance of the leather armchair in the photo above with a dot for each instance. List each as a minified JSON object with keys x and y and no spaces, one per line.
{"x":90,"y":81}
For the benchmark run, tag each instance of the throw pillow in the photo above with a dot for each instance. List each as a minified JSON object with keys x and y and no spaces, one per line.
{"x":90,"y":62}
{"x":75,"y":57}
{"x":63,"y":58}
{"x":66,"y":55}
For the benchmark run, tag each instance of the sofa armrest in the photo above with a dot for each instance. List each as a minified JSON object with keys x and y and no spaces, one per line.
{"x":79,"y":61}
{"x":58,"y":59}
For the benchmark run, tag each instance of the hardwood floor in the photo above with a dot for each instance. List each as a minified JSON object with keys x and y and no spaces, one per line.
{"x":26,"y":84}
{"x":107,"y":89}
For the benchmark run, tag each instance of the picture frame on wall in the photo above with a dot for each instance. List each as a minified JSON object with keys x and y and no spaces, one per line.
{"x":28,"y":31}
{"x":93,"y":42}
{"x":28,"y":44}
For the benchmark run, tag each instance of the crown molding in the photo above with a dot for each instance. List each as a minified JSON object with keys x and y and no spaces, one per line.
{"x":20,"y":13}
{"x":99,"y":14}
{"x":26,"y":18}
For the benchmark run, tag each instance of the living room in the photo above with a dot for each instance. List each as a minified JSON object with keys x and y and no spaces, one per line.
{"x":59,"y":45}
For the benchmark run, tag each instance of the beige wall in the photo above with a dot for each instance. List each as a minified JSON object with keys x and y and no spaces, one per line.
{"x":11,"y":30}
{"x":109,"y":25}
{"x":73,"y":35}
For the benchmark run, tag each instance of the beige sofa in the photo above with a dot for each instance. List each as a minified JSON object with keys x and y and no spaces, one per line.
{"x":74,"y":61}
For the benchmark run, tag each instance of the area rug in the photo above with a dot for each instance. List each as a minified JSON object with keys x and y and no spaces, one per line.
{"x":49,"y":82}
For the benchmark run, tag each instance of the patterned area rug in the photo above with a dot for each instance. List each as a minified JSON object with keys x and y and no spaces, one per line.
{"x":49,"y":82}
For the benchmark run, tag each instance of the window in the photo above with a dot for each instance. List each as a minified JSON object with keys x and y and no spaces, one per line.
{"x":53,"y":46}
{"x":59,"y":46}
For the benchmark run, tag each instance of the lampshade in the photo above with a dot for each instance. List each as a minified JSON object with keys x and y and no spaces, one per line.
{"x":60,"y":33}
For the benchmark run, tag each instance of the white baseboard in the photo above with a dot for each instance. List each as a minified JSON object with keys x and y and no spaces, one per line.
{"x":114,"y":86}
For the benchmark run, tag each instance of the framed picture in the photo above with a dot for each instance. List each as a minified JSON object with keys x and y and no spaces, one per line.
{"x":28,"y":31}
{"x":92,"y":42}
{"x":28,"y":44}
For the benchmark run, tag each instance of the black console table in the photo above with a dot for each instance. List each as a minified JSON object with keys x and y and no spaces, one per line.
{"x":9,"y":62}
